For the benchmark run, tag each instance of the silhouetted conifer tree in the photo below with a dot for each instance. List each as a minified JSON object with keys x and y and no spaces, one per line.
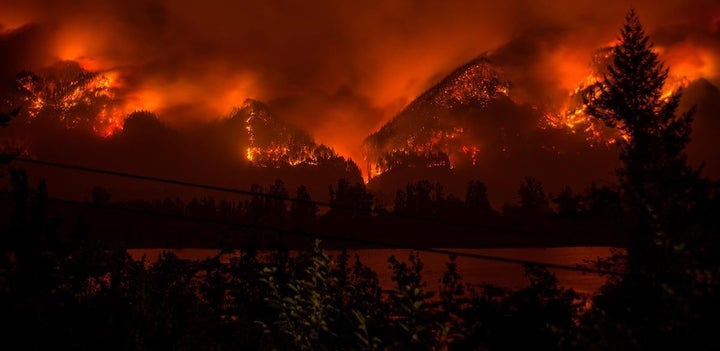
{"x":354,"y":199}
{"x":653,"y":306}
{"x":533,"y":200}
{"x":631,"y":97}
{"x":568,"y":204}
{"x":303,"y":212}
{"x":476,"y":199}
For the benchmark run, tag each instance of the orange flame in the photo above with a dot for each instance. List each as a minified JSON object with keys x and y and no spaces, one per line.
{"x":686,"y":62}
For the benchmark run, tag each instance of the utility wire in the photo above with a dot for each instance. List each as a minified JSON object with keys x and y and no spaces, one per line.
{"x":257,"y":194}
{"x":326,"y":237}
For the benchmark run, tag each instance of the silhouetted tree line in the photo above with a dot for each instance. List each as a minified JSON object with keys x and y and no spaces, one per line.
{"x":78,"y":293}
{"x":419,"y":210}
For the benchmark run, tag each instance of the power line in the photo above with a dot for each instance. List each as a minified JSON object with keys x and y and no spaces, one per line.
{"x":257,"y":194}
{"x":282,"y":230}
{"x":326,"y":237}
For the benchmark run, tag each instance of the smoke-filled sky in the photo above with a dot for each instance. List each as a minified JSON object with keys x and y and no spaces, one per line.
{"x":339,"y":69}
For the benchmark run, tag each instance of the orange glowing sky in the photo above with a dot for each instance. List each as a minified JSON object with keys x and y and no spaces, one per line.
{"x":337,"y":69}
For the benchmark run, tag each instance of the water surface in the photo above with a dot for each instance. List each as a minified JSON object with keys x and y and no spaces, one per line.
{"x":474,"y":271}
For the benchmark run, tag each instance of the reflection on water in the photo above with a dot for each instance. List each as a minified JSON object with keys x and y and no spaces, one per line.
{"x":474,"y":271}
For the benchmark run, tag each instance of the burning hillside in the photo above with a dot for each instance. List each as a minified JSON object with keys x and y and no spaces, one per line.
{"x":572,"y":113}
{"x":466,"y":119}
{"x":472,"y":115}
{"x":67,"y":96}
{"x":275,"y":143}
{"x":427,"y":130}
{"x":272,"y":142}
{"x":338,"y":79}
{"x":75,"y":97}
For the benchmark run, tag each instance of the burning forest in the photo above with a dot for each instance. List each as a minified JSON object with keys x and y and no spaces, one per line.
{"x":446,"y":125}
{"x":68,"y":94}
{"x":273,"y":143}
{"x":372,"y":106}
{"x":241,"y":133}
{"x":430,"y":127}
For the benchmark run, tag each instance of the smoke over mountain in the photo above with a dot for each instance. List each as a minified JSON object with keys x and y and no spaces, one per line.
{"x":338,"y":70}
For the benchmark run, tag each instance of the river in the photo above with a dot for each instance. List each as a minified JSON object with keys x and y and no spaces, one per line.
{"x":473,"y":270}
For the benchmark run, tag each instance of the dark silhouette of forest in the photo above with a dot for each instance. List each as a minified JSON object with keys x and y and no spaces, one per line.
{"x":273,"y":216}
{"x":67,"y":281}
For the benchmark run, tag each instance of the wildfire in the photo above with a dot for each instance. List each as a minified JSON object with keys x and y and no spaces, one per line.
{"x":472,"y":152}
{"x":73,"y":96}
{"x":249,"y":154}
{"x":425,"y":133}
{"x":572,"y":113}
{"x":273,"y":143}
{"x":267,"y":153}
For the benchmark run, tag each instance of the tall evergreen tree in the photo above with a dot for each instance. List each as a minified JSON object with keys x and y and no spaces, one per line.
{"x":655,"y":305}
{"x":476,"y":198}
{"x":304,"y":211}
{"x":632,"y":98}
{"x":533,"y":201}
